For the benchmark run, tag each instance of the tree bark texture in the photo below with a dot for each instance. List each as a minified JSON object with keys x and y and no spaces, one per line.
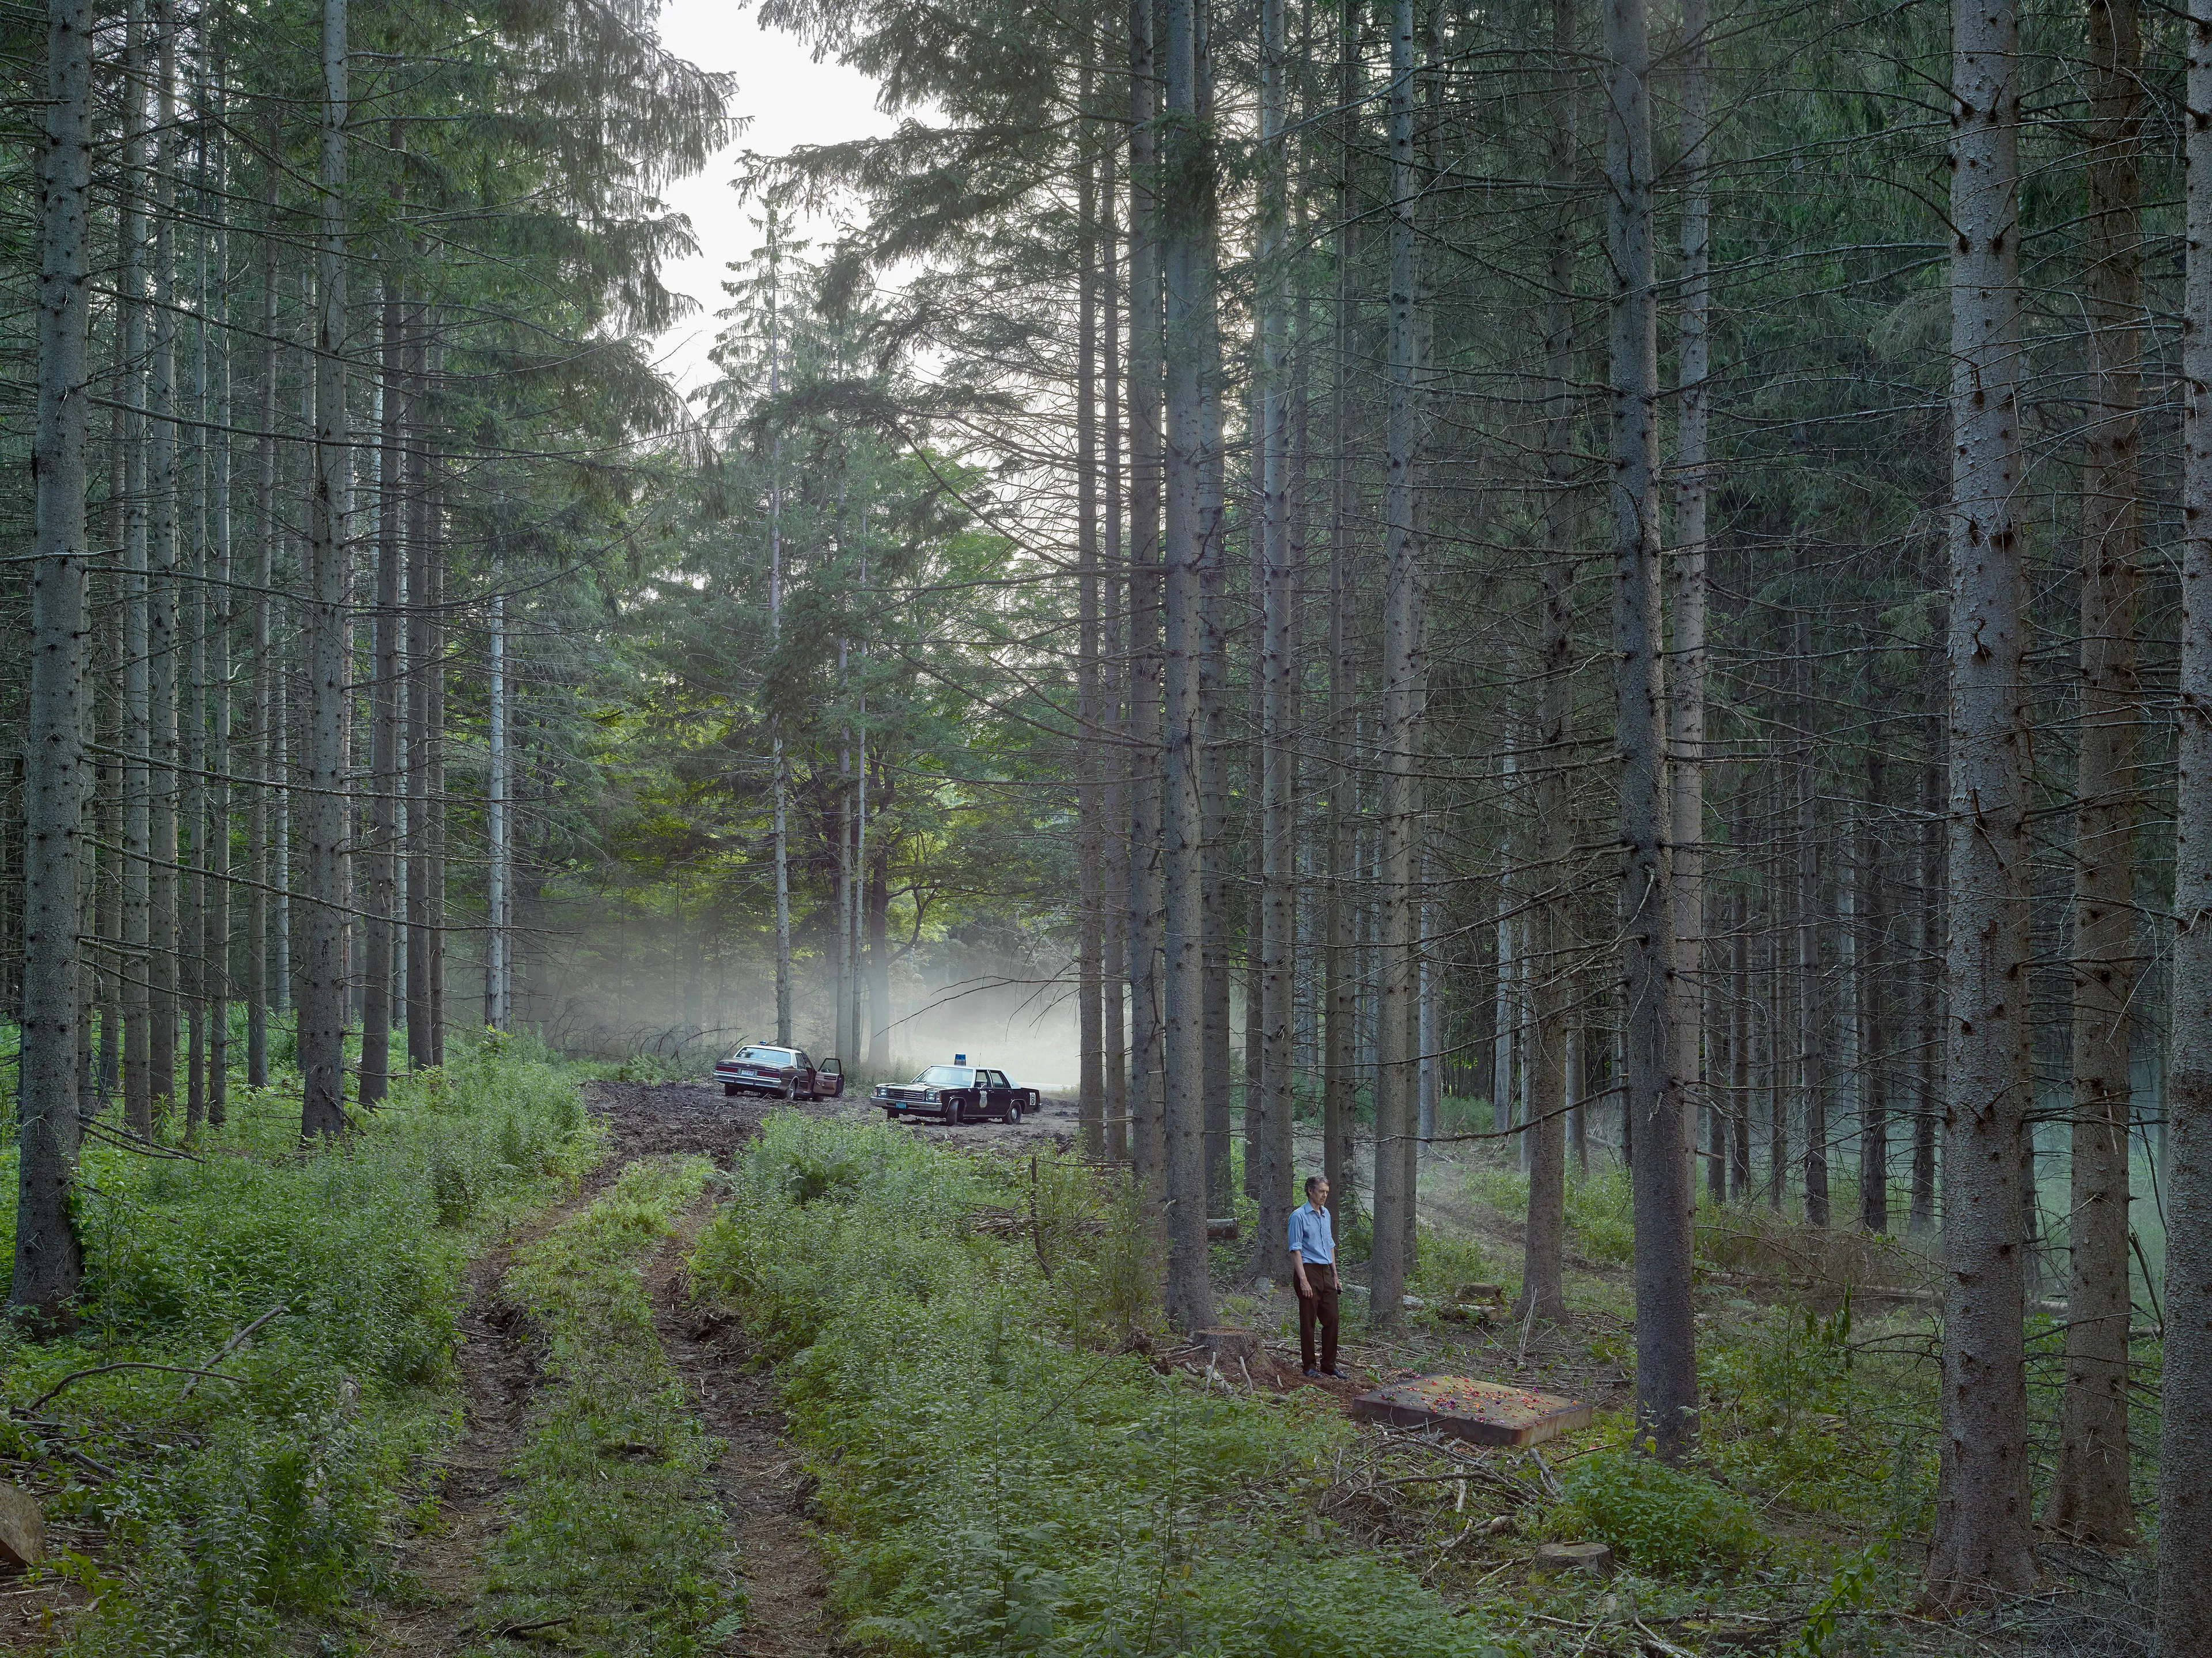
{"x":384,"y":779}
{"x":2185,"y":1447}
{"x":1687,"y":582}
{"x":1274,"y":1179}
{"x":162,"y":538}
{"x":138,"y":683}
{"x":1543,"y":1251}
{"x":1982,"y":1546}
{"x":2088,"y":1498}
{"x":1812,"y":1022}
{"x":1874,"y":1079}
{"x":322,"y":969}
{"x":49,"y":1261}
{"x":1396,"y":1070}
{"x":1183,"y":165}
{"x":1147,"y":1083}
{"x":1091,"y":940}
{"x":1341,"y":957}
{"x":1666,"y":1356}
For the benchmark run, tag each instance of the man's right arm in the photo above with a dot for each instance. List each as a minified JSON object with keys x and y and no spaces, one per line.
{"x":1297,"y":1260}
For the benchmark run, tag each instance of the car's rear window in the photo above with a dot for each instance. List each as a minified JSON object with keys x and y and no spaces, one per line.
{"x":947,"y":1076}
{"x":763,"y":1055}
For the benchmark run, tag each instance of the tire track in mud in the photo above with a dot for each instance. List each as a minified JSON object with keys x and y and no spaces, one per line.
{"x":758,"y":1480}
{"x":499,"y":1356}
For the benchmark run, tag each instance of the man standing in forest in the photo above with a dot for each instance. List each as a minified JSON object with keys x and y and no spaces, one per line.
{"x":1313,"y":1266}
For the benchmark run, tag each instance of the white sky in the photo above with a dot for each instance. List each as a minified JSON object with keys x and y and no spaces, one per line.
{"x":791,"y":101}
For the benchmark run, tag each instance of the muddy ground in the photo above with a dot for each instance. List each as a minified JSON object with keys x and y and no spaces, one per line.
{"x":757,"y":1481}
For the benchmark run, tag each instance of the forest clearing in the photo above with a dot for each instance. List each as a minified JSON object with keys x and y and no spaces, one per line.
{"x":733,"y":874}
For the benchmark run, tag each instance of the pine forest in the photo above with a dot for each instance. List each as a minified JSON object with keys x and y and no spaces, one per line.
{"x":668,"y":1000}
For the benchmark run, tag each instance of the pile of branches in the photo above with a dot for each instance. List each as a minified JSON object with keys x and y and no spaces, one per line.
{"x":1397,"y":1485}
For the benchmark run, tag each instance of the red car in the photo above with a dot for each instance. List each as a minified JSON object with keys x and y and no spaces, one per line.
{"x":779,"y":1073}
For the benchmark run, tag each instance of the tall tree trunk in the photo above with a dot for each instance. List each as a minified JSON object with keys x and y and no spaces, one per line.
{"x":136,"y":962}
{"x":1666,"y":1358}
{"x":2089,"y":1495}
{"x":2185,"y":1447}
{"x":49,"y":1263}
{"x":1781,"y":1023}
{"x":1183,"y":174}
{"x":261,"y":683}
{"x":1091,"y":944}
{"x":162,"y":501}
{"x":322,"y":969}
{"x":193,"y":597}
{"x":497,"y":850}
{"x":1982,"y":1546}
{"x":435,"y":827}
{"x":1875,"y":1084}
{"x":1268,"y":1096}
{"x":780,"y":823}
{"x":1339,"y":1097}
{"x":1396,"y":1073}
{"x":1739,"y":1039}
{"x":877,"y":920}
{"x":1926,"y":997}
{"x":422,"y":636}
{"x":1686,"y":578}
{"x":1543,"y":1291}
{"x":384,"y":776}
{"x":1212,"y":732}
{"x":1812,"y":1025}
{"x":222,"y":601}
{"x":1147,"y":1082}
{"x":1114,"y":795}
{"x":1255,"y":613}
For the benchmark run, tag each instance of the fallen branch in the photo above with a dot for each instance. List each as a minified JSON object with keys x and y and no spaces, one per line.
{"x":144,"y":1148}
{"x":494,"y":1631}
{"x":231,"y":1345}
{"x":124,"y":1364}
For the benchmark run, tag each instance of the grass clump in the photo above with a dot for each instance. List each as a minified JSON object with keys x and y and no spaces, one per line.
{"x":1661,"y":1520}
{"x":996,"y":1475}
{"x":217,"y":1520}
{"x":614,"y":1532}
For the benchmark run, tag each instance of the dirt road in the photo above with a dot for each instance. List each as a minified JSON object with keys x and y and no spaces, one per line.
{"x":758,"y":1480}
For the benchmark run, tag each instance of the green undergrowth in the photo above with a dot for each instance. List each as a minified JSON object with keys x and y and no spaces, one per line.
{"x":615,"y":1541}
{"x":1601,"y":1219}
{"x":1823,"y":1414}
{"x":997,"y":1475}
{"x":1662,"y":1520}
{"x":220,"y":1521}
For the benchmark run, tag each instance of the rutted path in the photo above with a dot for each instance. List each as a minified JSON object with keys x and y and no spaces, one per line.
{"x":757,"y":1480}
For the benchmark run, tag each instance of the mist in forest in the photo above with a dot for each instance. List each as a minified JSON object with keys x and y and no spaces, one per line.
{"x":632,"y":996}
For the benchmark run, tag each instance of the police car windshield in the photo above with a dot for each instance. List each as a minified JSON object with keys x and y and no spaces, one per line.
{"x":947,"y":1076}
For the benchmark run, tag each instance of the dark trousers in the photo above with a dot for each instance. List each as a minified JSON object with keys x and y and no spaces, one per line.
{"x":1319,"y":1308}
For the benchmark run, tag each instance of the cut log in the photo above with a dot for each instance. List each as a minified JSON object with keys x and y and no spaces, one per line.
{"x":22,"y":1528}
{"x":1227,"y":1347}
{"x":1595,"y":1558}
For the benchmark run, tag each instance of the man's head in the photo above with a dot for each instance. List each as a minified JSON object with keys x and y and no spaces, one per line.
{"x":1317,"y":1191}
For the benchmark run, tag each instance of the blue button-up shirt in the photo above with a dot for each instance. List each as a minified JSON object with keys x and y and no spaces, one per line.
{"x":1310,"y":1235}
